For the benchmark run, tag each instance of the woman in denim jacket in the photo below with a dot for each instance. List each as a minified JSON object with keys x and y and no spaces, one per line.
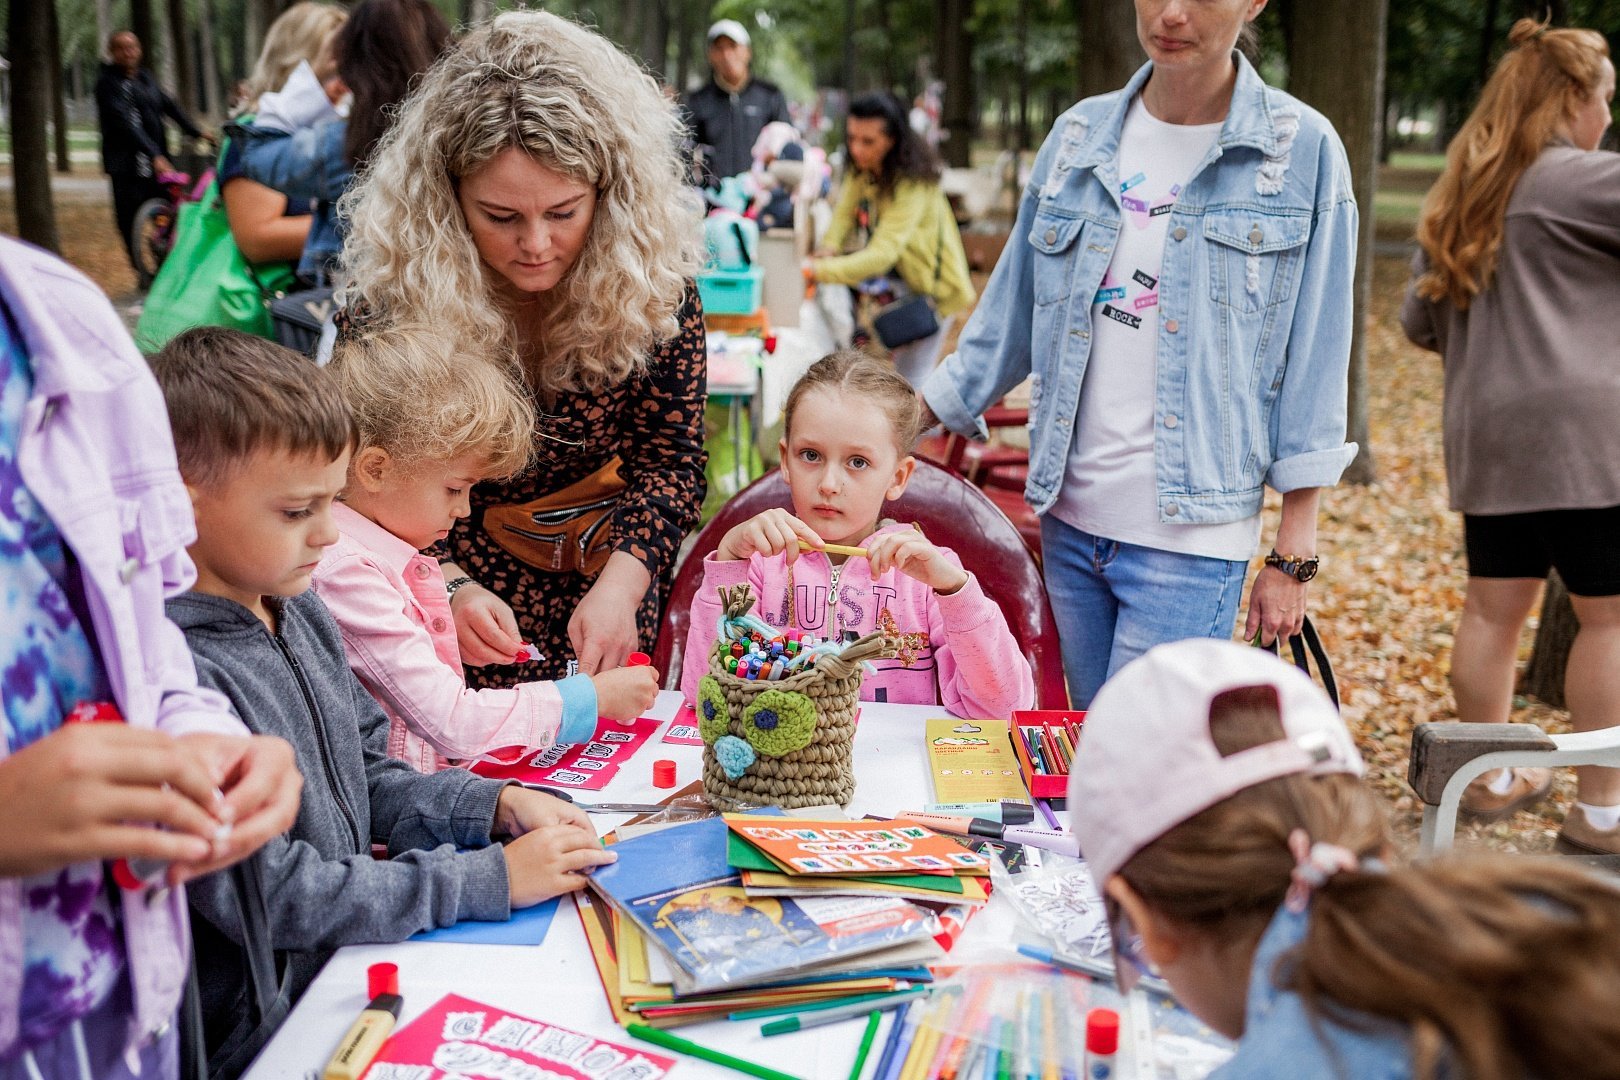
{"x":1198,"y":227}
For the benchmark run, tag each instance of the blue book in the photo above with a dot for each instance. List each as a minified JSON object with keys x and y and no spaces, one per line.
{"x":677,"y":887}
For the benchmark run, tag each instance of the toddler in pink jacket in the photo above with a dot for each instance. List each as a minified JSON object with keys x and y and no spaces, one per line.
{"x":433,"y":421}
{"x":849,"y":426}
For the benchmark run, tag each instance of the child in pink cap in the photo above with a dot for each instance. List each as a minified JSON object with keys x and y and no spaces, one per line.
{"x":1217,"y":796}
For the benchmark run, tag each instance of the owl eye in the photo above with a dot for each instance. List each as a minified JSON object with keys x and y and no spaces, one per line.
{"x":779,"y":722}
{"x":713,"y":719}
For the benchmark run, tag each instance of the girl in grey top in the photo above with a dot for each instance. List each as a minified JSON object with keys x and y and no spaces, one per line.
{"x":1518,"y":288}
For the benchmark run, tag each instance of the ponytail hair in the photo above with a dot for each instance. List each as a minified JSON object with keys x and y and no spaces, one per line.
{"x":1525,"y":107}
{"x":1502,"y":967}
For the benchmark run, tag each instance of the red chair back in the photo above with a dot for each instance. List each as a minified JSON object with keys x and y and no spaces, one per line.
{"x":953,"y":513}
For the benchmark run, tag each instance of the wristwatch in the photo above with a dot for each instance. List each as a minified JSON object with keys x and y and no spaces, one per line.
{"x":453,"y":584}
{"x":1299,"y":567}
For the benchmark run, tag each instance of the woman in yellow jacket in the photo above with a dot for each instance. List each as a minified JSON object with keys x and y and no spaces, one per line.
{"x":893,"y":214}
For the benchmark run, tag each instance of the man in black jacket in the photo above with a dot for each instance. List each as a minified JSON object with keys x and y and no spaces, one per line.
{"x":130,"y":106}
{"x":727,"y":114}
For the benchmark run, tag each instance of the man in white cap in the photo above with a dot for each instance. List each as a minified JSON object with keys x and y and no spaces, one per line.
{"x":727,"y":113}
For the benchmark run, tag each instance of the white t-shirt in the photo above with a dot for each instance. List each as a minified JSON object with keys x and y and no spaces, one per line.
{"x":1109,"y":488}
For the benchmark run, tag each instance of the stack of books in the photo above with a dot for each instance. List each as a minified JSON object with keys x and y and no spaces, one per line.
{"x":728,"y":914}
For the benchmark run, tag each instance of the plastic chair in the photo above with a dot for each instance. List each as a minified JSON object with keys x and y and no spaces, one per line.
{"x":952,"y":512}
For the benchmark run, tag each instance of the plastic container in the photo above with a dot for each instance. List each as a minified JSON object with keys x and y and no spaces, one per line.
{"x":731,"y":292}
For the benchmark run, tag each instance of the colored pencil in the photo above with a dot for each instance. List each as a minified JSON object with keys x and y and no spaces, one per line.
{"x":891,"y":1044}
{"x":830,"y":1003}
{"x":834,"y":549}
{"x":686,"y":1046}
{"x":872,"y":1020}
{"x":1045,"y":807}
{"x":843,"y":1012}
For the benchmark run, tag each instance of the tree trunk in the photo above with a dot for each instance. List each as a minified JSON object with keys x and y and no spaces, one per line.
{"x":144,"y":27}
{"x":1544,"y":678}
{"x":1109,"y":51}
{"x":177,"y":74}
{"x":1487,"y":42}
{"x":59,"y":126}
{"x":1021,"y":35}
{"x":683,"y":44}
{"x":957,"y":110}
{"x":104,"y":25}
{"x":655,"y":38}
{"x":208,"y":61}
{"x":28,"y":36}
{"x":1337,"y":66}
{"x":849,"y":47}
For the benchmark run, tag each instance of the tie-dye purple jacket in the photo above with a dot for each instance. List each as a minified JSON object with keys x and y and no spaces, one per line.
{"x":97,"y":455}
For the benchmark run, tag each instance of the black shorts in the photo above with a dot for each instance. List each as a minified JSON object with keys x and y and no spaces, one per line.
{"x":1582,"y":545}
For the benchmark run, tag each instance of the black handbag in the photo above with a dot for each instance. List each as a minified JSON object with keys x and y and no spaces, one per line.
{"x":1306,"y":647}
{"x":914,"y":317}
{"x":268,"y":991}
{"x":300,"y":318}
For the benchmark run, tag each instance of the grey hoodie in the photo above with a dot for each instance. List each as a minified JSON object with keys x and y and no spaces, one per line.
{"x":323,"y":889}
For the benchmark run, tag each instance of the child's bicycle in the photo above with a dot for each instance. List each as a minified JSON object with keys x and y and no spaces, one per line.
{"x":151,"y":234}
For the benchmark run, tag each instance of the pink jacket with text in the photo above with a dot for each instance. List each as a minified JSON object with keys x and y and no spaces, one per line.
{"x":955,"y":650}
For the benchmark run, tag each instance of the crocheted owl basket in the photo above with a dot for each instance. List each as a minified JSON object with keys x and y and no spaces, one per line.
{"x":785,"y":742}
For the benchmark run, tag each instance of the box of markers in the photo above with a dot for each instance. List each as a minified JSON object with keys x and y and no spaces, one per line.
{"x":1045,"y":741}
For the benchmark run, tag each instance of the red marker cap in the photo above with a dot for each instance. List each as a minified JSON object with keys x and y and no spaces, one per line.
{"x":381,"y":979}
{"x":638,"y":659}
{"x":1102,"y":1031}
{"x":663,"y":773}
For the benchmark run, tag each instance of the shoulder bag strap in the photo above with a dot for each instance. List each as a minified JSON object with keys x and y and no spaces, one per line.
{"x":1308,"y":638}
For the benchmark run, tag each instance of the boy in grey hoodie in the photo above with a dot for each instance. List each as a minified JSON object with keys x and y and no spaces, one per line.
{"x":263,"y":439}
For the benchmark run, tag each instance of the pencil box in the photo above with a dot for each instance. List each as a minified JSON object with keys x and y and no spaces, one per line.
{"x":1042,"y":756}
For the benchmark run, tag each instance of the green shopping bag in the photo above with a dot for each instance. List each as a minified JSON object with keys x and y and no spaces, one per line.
{"x":205,"y":281}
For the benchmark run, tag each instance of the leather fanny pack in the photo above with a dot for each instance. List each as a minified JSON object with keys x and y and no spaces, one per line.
{"x":568,"y":531}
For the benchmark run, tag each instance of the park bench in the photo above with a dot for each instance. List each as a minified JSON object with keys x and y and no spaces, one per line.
{"x":1447,"y":756}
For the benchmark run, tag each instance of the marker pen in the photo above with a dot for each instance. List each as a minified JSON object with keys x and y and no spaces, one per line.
{"x":370,"y":1029}
{"x":1054,"y":840}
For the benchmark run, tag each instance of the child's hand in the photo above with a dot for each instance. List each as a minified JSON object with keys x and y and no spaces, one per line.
{"x":625,"y":693}
{"x":99,"y":791}
{"x":549,"y":861}
{"x":915,"y":557}
{"x":260,"y":779}
{"x":769,"y":533}
{"x":486,"y":629}
{"x":521,"y":810}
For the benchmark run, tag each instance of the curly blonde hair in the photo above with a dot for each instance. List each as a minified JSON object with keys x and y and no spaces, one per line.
{"x":569,"y":98}
{"x":424,"y":398}
{"x":297,"y":35}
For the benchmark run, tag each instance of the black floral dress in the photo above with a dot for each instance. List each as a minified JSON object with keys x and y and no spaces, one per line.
{"x":654,"y":422}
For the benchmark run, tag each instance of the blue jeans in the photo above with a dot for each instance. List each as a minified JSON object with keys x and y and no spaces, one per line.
{"x":1115,"y":601}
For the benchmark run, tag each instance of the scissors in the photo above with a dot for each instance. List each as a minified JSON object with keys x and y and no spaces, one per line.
{"x":601,"y":807}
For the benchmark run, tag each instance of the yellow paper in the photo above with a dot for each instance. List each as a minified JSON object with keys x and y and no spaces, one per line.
{"x":973,"y":761}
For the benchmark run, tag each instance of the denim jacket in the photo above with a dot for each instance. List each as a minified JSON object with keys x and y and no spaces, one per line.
{"x":1284,"y":1038}
{"x":309,"y":163}
{"x":97,"y":455}
{"x":1255,"y":309}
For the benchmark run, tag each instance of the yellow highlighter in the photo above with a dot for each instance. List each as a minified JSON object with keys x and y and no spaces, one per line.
{"x":364,"y":1038}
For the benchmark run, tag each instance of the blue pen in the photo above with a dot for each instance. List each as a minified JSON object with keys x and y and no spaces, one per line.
{"x":896,"y":1063}
{"x":892,"y":1042}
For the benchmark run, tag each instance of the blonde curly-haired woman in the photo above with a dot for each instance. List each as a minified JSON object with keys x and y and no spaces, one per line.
{"x":1516,"y":286}
{"x":531,"y":194}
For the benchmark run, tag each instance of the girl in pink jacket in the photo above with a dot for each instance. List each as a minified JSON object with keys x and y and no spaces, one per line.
{"x":433,"y":421}
{"x":848,"y":428}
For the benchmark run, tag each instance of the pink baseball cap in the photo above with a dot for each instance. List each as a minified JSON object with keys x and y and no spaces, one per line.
{"x":1146,"y":761}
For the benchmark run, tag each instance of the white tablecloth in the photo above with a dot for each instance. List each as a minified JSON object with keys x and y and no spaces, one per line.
{"x":557,"y":982}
